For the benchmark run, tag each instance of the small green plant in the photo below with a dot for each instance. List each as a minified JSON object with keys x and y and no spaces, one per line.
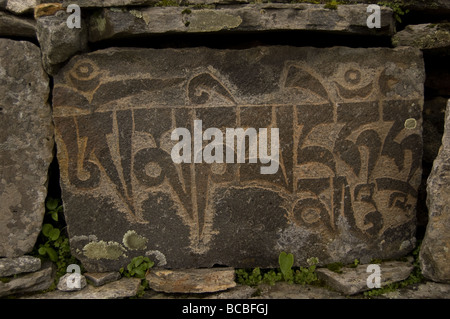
{"x":332,"y":5}
{"x":54,"y":207}
{"x":167,"y":3}
{"x":249,"y":277}
{"x":53,"y":242}
{"x":286,"y":261}
{"x":138,"y":267}
{"x":355,"y":264}
{"x":397,"y":7}
{"x":335,"y":267}
{"x":302,"y":275}
{"x":307,"y":275}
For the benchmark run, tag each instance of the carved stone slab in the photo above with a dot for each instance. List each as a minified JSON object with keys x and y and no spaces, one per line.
{"x":350,"y":149}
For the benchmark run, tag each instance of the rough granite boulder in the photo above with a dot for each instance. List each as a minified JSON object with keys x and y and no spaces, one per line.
{"x":26,"y":146}
{"x":341,"y":185}
{"x":435,"y":250}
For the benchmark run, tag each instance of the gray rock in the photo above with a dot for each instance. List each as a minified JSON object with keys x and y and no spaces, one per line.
{"x":13,"y":266}
{"x":21,"y":6}
{"x":429,"y":36}
{"x":26,"y":146}
{"x":99,"y":279}
{"x":11,"y":25}
{"x":71,"y":282}
{"x":58,"y":42}
{"x":109,"y":3}
{"x":354,"y":280}
{"x":435,"y":250}
{"x":29,"y":283}
{"x":238,"y":292}
{"x":123,"y":288}
{"x":191,"y":280}
{"x":283,"y":290}
{"x":109,"y":23}
{"x":427,"y":290}
{"x":345,"y":187}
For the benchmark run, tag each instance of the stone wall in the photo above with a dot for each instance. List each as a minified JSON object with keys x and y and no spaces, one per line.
{"x":352,"y":116}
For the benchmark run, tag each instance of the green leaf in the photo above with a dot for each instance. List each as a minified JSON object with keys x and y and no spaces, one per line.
{"x":55,"y":216}
{"x":140,"y":273}
{"x":51,"y":204}
{"x":286,"y":262}
{"x":52,"y":254}
{"x":138,"y":261}
{"x":42,"y":250}
{"x":46,"y":229}
{"x":54,"y":234}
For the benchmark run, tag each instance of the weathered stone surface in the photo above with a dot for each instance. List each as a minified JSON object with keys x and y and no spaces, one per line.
{"x":99,"y":279}
{"x":71,"y":282}
{"x":58,"y":42}
{"x":256,"y":17}
{"x":191,"y":280}
{"x":354,"y":280}
{"x":26,"y":146}
{"x":13,"y":266}
{"x":109,"y":3}
{"x":28,"y":283}
{"x":11,"y":25}
{"x":435,"y":250}
{"x":21,"y":6}
{"x":349,"y":160}
{"x":429,"y":36}
{"x":283,"y":290}
{"x":427,"y":290}
{"x":123,"y":288}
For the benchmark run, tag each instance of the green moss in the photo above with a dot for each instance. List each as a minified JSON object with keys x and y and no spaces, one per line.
{"x":335,"y":267}
{"x":133,"y":241}
{"x":104,"y":250}
{"x":98,"y":22}
{"x":167,"y":3}
{"x":332,"y":5}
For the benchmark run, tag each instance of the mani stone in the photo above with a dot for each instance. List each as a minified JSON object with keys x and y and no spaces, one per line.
{"x":435,"y":249}
{"x":351,"y":19}
{"x":345,"y":175}
{"x":191,"y":280}
{"x":13,"y":266}
{"x":26,"y":146}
